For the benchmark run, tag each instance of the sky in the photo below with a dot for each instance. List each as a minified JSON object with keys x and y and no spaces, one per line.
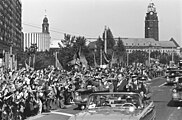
{"x":88,"y":18}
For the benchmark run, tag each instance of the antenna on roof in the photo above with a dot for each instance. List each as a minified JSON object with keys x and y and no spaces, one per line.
{"x":45,"y":13}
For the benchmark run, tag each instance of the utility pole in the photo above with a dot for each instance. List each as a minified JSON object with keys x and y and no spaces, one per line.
{"x":105,"y":40}
{"x":172,"y":54}
{"x":100,"y":56}
{"x":56,"y":60}
{"x":11,"y":56}
{"x":127,"y":58}
{"x":149,"y":56}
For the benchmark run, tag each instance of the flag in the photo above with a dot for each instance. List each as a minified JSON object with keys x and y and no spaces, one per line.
{"x":83,"y":60}
{"x":113,"y":59}
{"x":58,"y":64}
{"x":95,"y":62}
{"x":106,"y":60}
{"x":27,"y":66}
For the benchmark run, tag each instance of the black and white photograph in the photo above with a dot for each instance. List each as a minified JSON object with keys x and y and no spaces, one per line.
{"x":90,"y":60}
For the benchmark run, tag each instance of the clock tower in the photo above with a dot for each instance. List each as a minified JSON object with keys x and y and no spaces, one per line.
{"x":45,"y":25}
{"x":151,"y":23}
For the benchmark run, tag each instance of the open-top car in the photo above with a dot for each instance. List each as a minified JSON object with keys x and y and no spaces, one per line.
{"x":177,"y":91}
{"x":173,"y":75}
{"x":117,"y":106}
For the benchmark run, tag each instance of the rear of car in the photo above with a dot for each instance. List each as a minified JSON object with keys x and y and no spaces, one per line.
{"x":172,"y":77}
{"x":177,"y":91}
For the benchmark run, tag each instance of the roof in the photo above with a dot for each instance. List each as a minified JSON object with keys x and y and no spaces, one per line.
{"x":167,"y":44}
{"x":140,"y":42}
{"x":177,"y":45}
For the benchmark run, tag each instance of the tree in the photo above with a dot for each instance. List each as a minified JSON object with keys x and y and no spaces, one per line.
{"x":68,"y":40}
{"x":155,"y":54}
{"x":71,"y":46}
{"x":138,"y":57}
{"x":120,"y":50}
{"x":44,"y":59}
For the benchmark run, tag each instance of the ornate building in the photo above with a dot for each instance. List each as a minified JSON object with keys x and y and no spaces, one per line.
{"x":42,"y":39}
{"x":151,"y":23}
{"x":10,"y":30}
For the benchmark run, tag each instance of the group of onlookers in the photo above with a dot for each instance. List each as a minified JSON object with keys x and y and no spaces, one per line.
{"x":28,"y":92}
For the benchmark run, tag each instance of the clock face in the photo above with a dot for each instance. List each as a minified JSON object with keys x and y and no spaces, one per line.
{"x":151,"y":13}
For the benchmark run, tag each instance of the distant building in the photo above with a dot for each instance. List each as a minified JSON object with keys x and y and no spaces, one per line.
{"x":151,"y":23}
{"x":42,"y":39}
{"x":145,"y":44}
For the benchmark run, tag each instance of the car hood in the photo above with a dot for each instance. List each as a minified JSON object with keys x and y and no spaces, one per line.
{"x":107,"y":114}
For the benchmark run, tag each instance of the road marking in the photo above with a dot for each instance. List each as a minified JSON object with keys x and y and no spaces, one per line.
{"x":35,"y":117}
{"x":61,"y":113}
{"x":162,"y":84}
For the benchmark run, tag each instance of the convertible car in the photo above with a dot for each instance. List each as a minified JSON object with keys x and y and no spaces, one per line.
{"x":117,"y":106}
{"x":173,"y":75}
{"x":177,"y":91}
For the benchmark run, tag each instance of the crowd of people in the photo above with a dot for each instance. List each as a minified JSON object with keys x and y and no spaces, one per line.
{"x":28,"y":92}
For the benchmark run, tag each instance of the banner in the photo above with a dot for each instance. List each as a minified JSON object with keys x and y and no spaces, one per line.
{"x":58,"y":64}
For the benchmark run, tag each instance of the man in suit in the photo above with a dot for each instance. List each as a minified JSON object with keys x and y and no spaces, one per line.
{"x":122,"y":82}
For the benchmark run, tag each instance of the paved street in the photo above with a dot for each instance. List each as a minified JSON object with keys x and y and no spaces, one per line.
{"x":166,"y":110}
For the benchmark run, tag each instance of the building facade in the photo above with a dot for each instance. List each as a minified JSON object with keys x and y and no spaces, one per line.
{"x":10,"y":30}
{"x":42,"y":39}
{"x":145,"y":44}
{"x":151,"y":23}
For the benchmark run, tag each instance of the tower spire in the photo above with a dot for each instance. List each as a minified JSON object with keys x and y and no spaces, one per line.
{"x":45,"y":25}
{"x":45,"y":13}
{"x":105,"y":40}
{"x":151,"y":7}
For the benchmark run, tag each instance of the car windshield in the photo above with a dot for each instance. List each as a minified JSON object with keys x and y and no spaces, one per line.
{"x":121,"y":100}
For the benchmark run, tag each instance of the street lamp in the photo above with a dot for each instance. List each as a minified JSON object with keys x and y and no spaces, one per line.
{"x":150,"y":45}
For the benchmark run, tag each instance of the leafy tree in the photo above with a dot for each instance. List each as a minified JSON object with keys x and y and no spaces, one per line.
{"x":72,"y":45}
{"x":68,"y":40}
{"x":44,"y":59}
{"x":164,"y":58}
{"x":176,"y":58}
{"x":155,"y":54}
{"x":120,"y":50}
{"x":138,"y":57}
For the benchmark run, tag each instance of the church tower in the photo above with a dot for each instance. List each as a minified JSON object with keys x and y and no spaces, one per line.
{"x":45,"y":25}
{"x":151,"y":23}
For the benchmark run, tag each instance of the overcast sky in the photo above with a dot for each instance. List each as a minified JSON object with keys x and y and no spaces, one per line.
{"x":87,"y":18}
